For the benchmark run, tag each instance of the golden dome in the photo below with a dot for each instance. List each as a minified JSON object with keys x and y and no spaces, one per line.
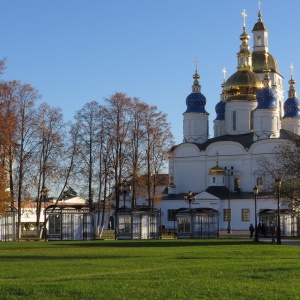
{"x":242,"y":85}
{"x":259,"y":62}
{"x":217,"y":170}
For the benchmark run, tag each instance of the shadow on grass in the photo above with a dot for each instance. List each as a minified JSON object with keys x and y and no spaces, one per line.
{"x":157,"y":243}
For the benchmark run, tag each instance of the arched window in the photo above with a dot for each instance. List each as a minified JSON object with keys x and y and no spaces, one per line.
{"x":258,"y":41}
{"x":214,"y":179}
{"x":259,"y":181}
{"x":237,"y":185}
{"x":234,"y":120}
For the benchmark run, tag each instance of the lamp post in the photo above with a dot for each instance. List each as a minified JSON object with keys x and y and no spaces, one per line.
{"x":229,"y":173}
{"x":189,"y":198}
{"x":278,"y":186}
{"x":255,"y":192}
{"x":124,"y":188}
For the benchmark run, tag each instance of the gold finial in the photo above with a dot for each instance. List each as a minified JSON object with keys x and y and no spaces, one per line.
{"x":259,"y":12}
{"x":292,"y":71}
{"x":224,"y":74}
{"x":196,"y":76}
{"x":244,"y":16}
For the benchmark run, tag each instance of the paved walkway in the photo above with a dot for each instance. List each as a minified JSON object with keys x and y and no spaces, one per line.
{"x":245,"y":234}
{"x":284,"y":241}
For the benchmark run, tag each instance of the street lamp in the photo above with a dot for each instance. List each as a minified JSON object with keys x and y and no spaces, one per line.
{"x":189,"y":198}
{"x":229,"y":173}
{"x":278,"y":186}
{"x":124,"y":188}
{"x":44,"y":193}
{"x":255,"y":192}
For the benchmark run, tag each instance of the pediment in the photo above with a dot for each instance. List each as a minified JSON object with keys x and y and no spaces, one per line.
{"x":206,"y":196}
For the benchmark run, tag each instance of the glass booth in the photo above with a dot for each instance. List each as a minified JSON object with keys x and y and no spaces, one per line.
{"x":197,"y":223}
{"x":69,"y":222}
{"x":138,"y":223}
{"x":289,"y":221}
{"x":8,"y":226}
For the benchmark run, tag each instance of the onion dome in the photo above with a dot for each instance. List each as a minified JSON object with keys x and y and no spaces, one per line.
{"x":220,"y":111}
{"x":266,"y":97}
{"x":196,"y":101}
{"x":292,"y":104}
{"x":258,"y":62}
{"x":217,"y":170}
{"x":244,"y":84}
{"x":220,"y":107}
{"x":259,"y":26}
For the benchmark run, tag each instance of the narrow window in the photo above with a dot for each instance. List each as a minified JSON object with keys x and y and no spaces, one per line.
{"x":227,"y":214}
{"x":258,"y":41}
{"x":259,"y":181}
{"x":237,"y":185}
{"x":245,"y":215}
{"x":234,"y":120}
{"x":251,"y":119}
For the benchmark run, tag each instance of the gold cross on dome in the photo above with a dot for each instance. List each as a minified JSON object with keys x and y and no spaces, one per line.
{"x":224,"y":74}
{"x":292,"y":70}
{"x":244,"y":16}
{"x":196,"y":63}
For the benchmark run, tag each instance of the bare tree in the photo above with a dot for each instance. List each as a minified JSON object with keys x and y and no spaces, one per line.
{"x":48,"y":153}
{"x":285,"y":164}
{"x":157,"y":142}
{"x":88,"y":124}
{"x":26,"y":128}
{"x":117,"y":118}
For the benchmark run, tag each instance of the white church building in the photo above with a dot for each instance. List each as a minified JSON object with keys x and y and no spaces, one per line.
{"x":252,"y":120}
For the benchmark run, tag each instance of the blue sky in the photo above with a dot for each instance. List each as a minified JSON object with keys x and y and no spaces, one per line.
{"x":76,"y":51}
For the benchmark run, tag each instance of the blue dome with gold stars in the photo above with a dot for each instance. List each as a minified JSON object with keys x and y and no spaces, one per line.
{"x":196,"y":101}
{"x":220,"y":111}
{"x":291,"y":108}
{"x":266,"y":98}
{"x":292,"y":104}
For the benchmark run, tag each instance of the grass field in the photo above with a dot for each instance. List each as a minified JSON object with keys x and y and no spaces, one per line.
{"x":159,"y":269}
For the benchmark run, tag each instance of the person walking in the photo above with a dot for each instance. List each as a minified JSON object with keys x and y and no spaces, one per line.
{"x":251,"y":229}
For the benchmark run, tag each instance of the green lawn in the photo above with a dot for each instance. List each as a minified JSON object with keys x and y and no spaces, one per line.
{"x":162,"y":269}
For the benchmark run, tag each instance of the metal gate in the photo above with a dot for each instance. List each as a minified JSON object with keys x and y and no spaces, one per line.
{"x":8,"y":229}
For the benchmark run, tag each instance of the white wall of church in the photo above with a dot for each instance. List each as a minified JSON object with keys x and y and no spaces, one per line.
{"x":291,"y":124}
{"x":240,"y":123}
{"x":191,"y":166}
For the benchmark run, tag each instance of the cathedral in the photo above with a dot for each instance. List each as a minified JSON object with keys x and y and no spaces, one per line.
{"x":220,"y":174}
